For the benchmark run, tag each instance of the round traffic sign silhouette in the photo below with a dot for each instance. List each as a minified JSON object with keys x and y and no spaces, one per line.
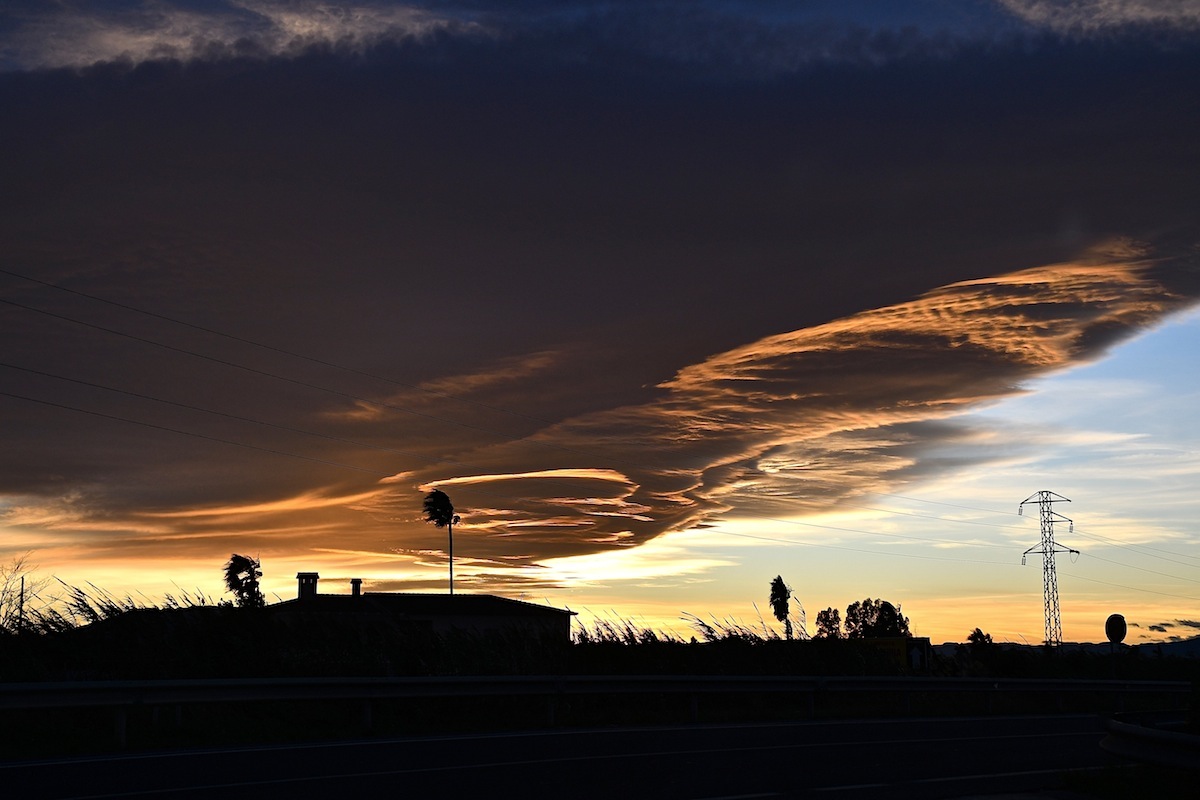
{"x":1114,"y":626}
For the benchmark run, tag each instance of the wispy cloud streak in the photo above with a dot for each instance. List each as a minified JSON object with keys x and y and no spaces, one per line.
{"x":1092,"y":15}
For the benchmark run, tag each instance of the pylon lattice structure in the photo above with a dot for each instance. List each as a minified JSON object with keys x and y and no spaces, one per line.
{"x":1046,"y":550}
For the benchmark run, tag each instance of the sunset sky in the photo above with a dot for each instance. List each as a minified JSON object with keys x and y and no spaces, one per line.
{"x":669,"y":298}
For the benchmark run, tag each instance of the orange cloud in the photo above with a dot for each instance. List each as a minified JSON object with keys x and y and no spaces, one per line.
{"x":800,"y":421}
{"x":303,"y":502}
{"x":582,"y":474}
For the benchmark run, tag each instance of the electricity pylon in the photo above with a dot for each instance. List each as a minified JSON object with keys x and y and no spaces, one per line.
{"x":1046,"y":550}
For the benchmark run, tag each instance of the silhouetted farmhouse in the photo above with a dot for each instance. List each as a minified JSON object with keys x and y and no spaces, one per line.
{"x":434,"y":613}
{"x":357,"y":633}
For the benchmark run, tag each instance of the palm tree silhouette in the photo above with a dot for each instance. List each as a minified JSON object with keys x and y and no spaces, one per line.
{"x":780,"y":594}
{"x":440,"y":511}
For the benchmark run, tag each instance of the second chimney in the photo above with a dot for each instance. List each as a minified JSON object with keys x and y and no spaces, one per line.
{"x":307,"y":585}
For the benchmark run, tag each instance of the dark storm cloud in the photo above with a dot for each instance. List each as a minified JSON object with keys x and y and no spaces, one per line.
{"x":611,"y":297}
{"x":35,"y":34}
{"x":746,"y":36}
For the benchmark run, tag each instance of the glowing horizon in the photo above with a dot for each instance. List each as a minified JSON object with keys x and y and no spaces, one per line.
{"x":714,"y":571}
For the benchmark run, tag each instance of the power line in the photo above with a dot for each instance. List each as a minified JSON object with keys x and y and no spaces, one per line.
{"x":1115,"y":543}
{"x":1135,"y":548}
{"x":280,"y":350}
{"x":327,"y":462}
{"x":1073,"y":576}
{"x":307,"y":385}
{"x":283,"y":378}
{"x":856,"y":549}
{"x":1143,"y":569}
{"x":189,"y":407}
{"x":192,"y":434}
{"x":868,"y":533}
{"x":927,"y":516}
{"x":1138,"y":548}
{"x":948,"y":505}
{"x":273,"y":451}
{"x":425,"y":462}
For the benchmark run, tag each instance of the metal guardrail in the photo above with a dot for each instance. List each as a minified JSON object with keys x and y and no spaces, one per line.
{"x":109,"y":693}
{"x":1154,"y":738}
{"x":123,"y":696}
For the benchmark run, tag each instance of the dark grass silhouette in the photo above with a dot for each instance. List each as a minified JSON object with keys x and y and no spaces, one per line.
{"x":98,"y":636}
{"x":95,"y":635}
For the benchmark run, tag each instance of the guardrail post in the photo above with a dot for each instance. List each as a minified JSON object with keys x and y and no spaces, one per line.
{"x":694,"y":706}
{"x":552,"y":705}
{"x":368,"y":721}
{"x":120,"y":722}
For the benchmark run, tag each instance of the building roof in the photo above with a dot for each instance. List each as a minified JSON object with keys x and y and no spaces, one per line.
{"x":424,"y":605}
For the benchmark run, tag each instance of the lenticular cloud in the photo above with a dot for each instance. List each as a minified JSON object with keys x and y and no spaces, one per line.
{"x":797,"y":422}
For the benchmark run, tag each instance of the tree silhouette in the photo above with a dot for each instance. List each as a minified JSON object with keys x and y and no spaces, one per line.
{"x":978,"y":640}
{"x":241,"y":578}
{"x":829,"y":624}
{"x":780,"y":594}
{"x":872,"y":619}
{"x":440,"y":511}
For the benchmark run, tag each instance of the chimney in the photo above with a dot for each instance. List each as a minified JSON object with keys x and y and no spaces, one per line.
{"x":356,"y":586}
{"x":307,"y":585}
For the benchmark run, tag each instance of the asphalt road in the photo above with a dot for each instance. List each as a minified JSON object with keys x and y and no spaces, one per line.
{"x":926,"y":758}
